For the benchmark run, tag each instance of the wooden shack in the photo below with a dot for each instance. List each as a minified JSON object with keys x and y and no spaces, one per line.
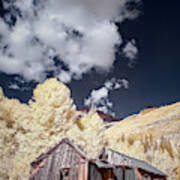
{"x":67,"y":161}
{"x":131,"y":168}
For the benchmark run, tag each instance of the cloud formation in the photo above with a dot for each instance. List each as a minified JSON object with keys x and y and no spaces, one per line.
{"x":14,"y":86}
{"x":80,"y":34}
{"x":130,"y":51}
{"x":100,"y":97}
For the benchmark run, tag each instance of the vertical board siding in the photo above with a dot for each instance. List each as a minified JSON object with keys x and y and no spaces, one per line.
{"x":62,"y":157}
{"x":83,"y":171}
{"x":118,"y":172}
{"x":73,"y":175}
{"x":129,"y":174}
{"x":94,"y":174}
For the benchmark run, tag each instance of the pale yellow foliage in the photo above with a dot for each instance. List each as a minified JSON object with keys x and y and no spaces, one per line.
{"x":52,"y":107}
{"x":26,"y":131}
{"x":13,"y":123}
{"x":89,"y":133}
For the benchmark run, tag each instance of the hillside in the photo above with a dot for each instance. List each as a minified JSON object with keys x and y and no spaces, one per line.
{"x":152,"y":135}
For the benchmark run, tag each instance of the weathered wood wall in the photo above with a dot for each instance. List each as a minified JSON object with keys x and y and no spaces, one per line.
{"x":83,"y":171}
{"x":64,"y":156}
{"x":119,"y":173}
{"x":130,"y":174}
{"x":94,"y":173}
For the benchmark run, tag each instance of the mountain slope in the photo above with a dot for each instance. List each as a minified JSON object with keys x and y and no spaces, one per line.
{"x":152,"y":135}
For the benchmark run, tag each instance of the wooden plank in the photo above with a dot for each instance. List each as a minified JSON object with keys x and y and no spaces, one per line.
{"x":81,"y":171}
{"x":94,"y":174}
{"x":86,"y":171}
{"x":118,"y":172}
{"x":129,"y":174}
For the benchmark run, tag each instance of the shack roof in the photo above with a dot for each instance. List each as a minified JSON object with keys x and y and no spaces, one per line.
{"x":77,"y":148}
{"x":142,"y":165}
{"x":105,"y":165}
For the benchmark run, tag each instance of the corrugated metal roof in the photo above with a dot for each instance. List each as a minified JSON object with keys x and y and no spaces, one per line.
{"x":145,"y":166}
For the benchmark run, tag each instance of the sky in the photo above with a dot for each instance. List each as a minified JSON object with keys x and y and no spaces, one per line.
{"x":121,"y":56}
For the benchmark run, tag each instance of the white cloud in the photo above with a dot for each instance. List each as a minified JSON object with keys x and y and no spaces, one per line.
{"x":116,"y":84}
{"x":100,"y":97}
{"x":99,"y":94}
{"x":81,"y":33}
{"x":14,"y":86}
{"x":130,"y":51}
{"x":64,"y":76}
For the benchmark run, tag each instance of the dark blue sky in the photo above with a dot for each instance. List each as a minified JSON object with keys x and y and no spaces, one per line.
{"x":154,"y":79}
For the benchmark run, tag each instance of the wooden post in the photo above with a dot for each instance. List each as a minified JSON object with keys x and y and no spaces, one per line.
{"x":83,"y":171}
